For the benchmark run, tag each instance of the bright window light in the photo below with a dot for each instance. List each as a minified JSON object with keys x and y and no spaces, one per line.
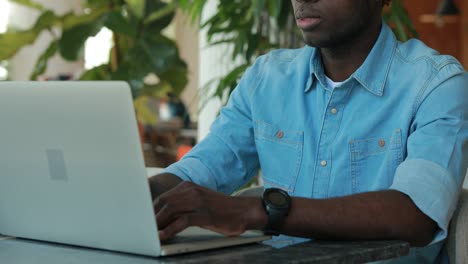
{"x":3,"y":73}
{"x":4,"y":13}
{"x":97,"y":49}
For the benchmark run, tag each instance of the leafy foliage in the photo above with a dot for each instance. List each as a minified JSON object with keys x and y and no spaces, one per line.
{"x":397,"y":17}
{"x":139,"y":47}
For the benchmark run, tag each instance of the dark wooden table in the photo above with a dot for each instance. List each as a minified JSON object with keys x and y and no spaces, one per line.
{"x":20,"y":251}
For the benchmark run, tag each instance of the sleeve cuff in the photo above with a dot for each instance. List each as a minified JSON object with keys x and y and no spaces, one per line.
{"x":433,"y":190}
{"x":193,"y":170}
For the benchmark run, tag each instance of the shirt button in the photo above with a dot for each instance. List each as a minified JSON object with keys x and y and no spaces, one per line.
{"x":323,"y":163}
{"x":280,"y":134}
{"x":382,"y":143}
{"x":334,"y":111}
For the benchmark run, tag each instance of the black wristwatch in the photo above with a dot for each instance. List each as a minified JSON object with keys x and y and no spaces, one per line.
{"x":277,"y":204}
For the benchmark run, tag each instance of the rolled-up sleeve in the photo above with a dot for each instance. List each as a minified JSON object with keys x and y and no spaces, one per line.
{"x":227,"y":158}
{"x":437,"y":148}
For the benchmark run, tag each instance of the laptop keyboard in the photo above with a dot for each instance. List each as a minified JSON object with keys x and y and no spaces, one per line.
{"x":190,"y":239}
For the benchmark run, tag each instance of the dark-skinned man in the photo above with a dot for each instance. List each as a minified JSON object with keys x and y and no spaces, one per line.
{"x":366,"y":137}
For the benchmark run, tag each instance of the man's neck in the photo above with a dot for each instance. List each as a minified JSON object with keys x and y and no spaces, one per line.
{"x":341,"y":61}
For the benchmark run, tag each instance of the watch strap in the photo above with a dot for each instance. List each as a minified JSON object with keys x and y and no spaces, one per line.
{"x":276,"y":213}
{"x":275,"y":222}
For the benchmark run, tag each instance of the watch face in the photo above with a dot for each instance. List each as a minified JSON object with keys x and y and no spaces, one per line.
{"x":277,"y":199}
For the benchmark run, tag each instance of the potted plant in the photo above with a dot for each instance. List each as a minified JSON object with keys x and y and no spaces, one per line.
{"x":139,"y":47}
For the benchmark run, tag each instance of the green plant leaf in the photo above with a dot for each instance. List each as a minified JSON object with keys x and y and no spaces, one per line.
{"x":193,"y":9}
{"x":123,"y":72}
{"x":229,"y":82}
{"x":119,"y":24}
{"x":258,"y":6}
{"x":167,"y":10}
{"x":176,"y":77}
{"x":137,"y":7}
{"x":98,"y":3}
{"x":146,"y":111}
{"x":46,"y":20}
{"x":400,"y":31}
{"x":71,"y":20}
{"x":274,"y":7}
{"x":12,"y":42}
{"x":72,"y":41}
{"x":159,"y":90}
{"x":29,"y":3}
{"x":284,"y":15}
{"x":97,"y":73}
{"x":41,"y":63}
{"x":154,"y":54}
{"x":158,"y":17}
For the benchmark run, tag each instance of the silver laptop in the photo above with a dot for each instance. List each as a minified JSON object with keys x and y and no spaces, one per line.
{"x":72,"y":171}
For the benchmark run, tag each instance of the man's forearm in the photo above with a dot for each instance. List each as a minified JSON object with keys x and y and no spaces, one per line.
{"x":162,"y":183}
{"x":375,"y":215}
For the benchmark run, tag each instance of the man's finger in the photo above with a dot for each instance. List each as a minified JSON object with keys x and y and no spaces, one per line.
{"x":172,"y":210}
{"x":174,"y":227}
{"x":177,"y":193}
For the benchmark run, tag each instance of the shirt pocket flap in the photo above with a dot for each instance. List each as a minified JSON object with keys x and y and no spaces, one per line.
{"x":272,"y":133}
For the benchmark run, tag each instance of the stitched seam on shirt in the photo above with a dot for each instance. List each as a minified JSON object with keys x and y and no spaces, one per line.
{"x":288,"y":188}
{"x":435,"y":65}
{"x":387,"y":72}
{"x":339,"y":130}
{"x":446,"y":63}
{"x":287,"y":54}
{"x":282,"y":59}
{"x":352,"y":166}
{"x":262,"y":70}
{"x":258,"y":78}
{"x":389,"y":65}
{"x":319,"y":140}
{"x":436,"y":68}
{"x":420,"y":98}
{"x":298,"y":134}
{"x":284,"y":142}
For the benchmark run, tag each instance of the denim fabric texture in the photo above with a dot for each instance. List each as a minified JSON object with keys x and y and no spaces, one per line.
{"x":399,"y":122}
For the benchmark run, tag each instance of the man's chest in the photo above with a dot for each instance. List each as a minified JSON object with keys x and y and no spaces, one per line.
{"x":328,"y":143}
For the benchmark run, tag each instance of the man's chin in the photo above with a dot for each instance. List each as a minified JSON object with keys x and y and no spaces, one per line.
{"x":313,"y":41}
{"x":313,"y":44}
{"x":321,"y":43}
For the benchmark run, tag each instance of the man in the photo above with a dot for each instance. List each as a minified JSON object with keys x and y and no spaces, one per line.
{"x":367,"y":135}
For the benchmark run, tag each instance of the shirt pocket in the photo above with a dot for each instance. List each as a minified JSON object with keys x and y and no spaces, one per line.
{"x":280,"y":154}
{"x":373,"y":162}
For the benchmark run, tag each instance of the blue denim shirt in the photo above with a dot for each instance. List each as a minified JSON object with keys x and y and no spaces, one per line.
{"x":399,"y":122}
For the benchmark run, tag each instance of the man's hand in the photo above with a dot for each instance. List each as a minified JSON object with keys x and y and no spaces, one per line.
{"x":188,"y":204}
{"x":162,"y":183}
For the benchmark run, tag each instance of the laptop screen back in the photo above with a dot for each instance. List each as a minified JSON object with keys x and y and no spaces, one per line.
{"x":71,"y":166}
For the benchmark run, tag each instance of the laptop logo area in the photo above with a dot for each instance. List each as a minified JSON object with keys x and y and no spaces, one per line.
{"x":57,"y":166}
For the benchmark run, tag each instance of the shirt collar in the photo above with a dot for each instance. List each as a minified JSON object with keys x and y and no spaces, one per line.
{"x":372,"y":74}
